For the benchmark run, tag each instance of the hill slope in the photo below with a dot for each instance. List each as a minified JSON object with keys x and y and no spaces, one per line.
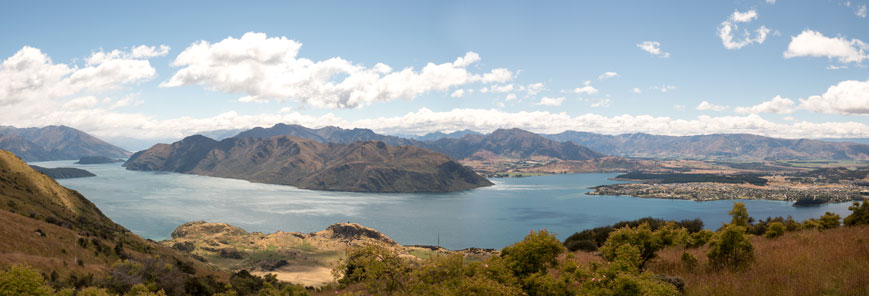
{"x":329,"y":134}
{"x":57,"y":230}
{"x":371,"y":166}
{"x":55,"y":143}
{"x":727,"y":146}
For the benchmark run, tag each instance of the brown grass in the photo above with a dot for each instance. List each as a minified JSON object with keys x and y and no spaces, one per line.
{"x":832,"y":262}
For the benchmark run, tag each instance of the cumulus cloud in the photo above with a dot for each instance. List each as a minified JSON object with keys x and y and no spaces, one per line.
{"x":776,"y":105}
{"x":730,"y":26}
{"x":501,"y":88}
{"x":814,"y":44}
{"x":606,"y":75}
{"x":861,"y":11}
{"x":637,"y":90}
{"x":849,"y":97}
{"x":532,"y":89}
{"x":587,"y":89}
{"x":266,"y":68}
{"x":30,"y":75}
{"x":654,"y":48}
{"x":510,"y":97}
{"x":707,"y":106}
{"x":547,"y":101}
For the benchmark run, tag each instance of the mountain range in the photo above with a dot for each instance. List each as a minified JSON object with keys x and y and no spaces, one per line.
{"x":716,"y":146}
{"x":55,"y":143}
{"x":364,"y":166}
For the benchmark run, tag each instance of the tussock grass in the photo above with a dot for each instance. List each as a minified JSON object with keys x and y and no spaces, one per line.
{"x":832,"y":262}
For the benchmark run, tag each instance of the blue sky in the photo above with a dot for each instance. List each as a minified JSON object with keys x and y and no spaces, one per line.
{"x":563,"y":46}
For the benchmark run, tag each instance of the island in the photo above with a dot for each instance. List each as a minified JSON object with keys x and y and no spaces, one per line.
{"x":63,"y":173}
{"x":96,"y":160}
{"x":365,"y":166}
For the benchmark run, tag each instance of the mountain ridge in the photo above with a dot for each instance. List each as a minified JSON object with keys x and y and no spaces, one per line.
{"x":55,"y":142}
{"x":370,"y":166}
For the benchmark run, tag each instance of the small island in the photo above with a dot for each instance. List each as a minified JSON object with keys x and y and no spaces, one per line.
{"x":63,"y":173}
{"x":96,"y":160}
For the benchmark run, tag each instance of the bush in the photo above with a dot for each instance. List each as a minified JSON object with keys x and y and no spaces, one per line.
{"x":775,"y":229}
{"x":21,"y":280}
{"x":730,"y":249}
{"x":688,"y":260}
{"x":534,"y":253}
{"x":699,"y":239}
{"x":859,"y":214}
{"x":830,"y":220}
{"x":641,"y":237}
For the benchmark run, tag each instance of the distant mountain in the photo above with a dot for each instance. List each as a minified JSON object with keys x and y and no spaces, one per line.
{"x":369,"y":166}
{"x":514,"y":143}
{"x":329,"y":134}
{"x":716,"y":146}
{"x":439,"y":135}
{"x":221,"y":134}
{"x":55,"y":143}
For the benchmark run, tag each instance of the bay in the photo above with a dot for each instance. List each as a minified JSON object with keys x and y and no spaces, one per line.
{"x":152,"y":204}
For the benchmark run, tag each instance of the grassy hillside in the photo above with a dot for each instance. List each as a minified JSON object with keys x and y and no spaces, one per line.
{"x":809,"y":262}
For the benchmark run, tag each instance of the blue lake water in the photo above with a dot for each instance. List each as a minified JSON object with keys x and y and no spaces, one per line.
{"x":152,"y":204}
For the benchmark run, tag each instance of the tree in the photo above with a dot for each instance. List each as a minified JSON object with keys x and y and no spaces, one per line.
{"x":775,"y":229}
{"x":21,"y":280}
{"x":739,"y":215}
{"x":730,"y":249}
{"x":859,"y":214}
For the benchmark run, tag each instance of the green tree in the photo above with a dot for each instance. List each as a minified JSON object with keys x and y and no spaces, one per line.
{"x":21,"y":280}
{"x":730,"y":249}
{"x":739,"y":215}
{"x":775,"y":229}
{"x":859,"y":214}
{"x":534,"y":253}
{"x":830,"y":220}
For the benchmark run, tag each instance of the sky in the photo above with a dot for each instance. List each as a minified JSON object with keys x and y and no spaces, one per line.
{"x":147,"y":71}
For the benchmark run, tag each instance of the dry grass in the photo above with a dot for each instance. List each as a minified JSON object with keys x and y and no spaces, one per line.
{"x":832,"y":262}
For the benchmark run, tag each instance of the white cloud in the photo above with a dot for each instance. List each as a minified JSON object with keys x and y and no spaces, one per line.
{"x":770,"y":1}
{"x":814,"y":44}
{"x":637,"y":90}
{"x":458,"y":93}
{"x":861,"y":11}
{"x":602,"y":103}
{"x":81,"y":103}
{"x":587,"y":89}
{"x":606,"y":75}
{"x":30,"y":75}
{"x":532,"y":89}
{"x":834,"y":67}
{"x":510,"y":97}
{"x":654,"y":48}
{"x":268,"y":68}
{"x":707,"y":106}
{"x":547,"y":101}
{"x":849,"y":97}
{"x":679,"y":107}
{"x":501,"y":88}
{"x":664,"y":88}
{"x":776,"y":105}
{"x":731,"y":25}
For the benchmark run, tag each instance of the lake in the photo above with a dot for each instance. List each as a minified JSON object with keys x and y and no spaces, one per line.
{"x":152,"y":204}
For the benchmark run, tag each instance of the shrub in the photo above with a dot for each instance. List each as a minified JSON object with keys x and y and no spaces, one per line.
{"x":641,"y":237}
{"x":859,"y":214}
{"x":534,"y":253}
{"x":688,"y":260}
{"x":730,"y":249}
{"x":699,"y":239}
{"x":830,"y":220}
{"x":775,"y":229}
{"x":21,"y":280}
